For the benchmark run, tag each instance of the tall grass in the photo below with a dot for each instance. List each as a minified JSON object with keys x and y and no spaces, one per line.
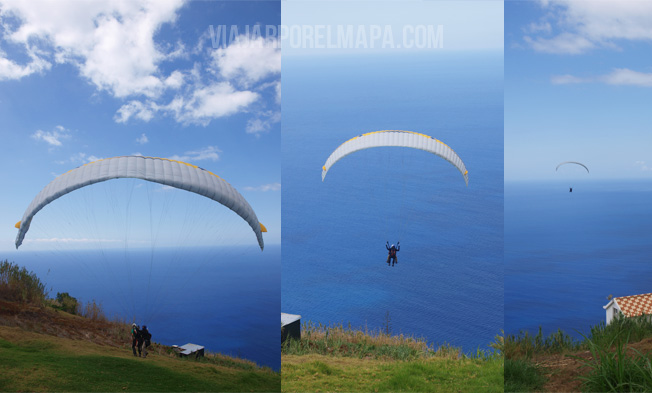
{"x":19,"y":285}
{"x":614,"y":368}
{"x":377,"y":344}
{"x":525,"y":345}
{"x":636,"y":328}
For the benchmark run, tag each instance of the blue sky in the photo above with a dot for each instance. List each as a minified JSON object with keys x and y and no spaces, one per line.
{"x":467,"y":25}
{"x":81,"y":81}
{"x":578,"y":87}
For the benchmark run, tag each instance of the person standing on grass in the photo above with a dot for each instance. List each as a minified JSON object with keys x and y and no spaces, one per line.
{"x":136,"y":340}
{"x":146,"y":340}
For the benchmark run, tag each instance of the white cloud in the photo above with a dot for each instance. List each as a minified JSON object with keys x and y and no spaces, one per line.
{"x":643,"y":166}
{"x":539,"y":27}
{"x":165,"y":189}
{"x":566,"y":79}
{"x":207,"y":153}
{"x":248,"y":60}
{"x":79,"y":158}
{"x":70,"y":240}
{"x":134,"y":108}
{"x":276,"y":85}
{"x":210,"y":102}
{"x":142,"y":139}
{"x":265,"y":187}
{"x":52,"y":138}
{"x":111,"y":43}
{"x":619,"y":76}
{"x":11,"y":70}
{"x":564,"y":43}
{"x":580,"y":26}
{"x":263,"y":123}
{"x":624,"y":76}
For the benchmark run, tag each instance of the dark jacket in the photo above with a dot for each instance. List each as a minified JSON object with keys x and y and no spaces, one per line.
{"x":392,"y":250}
{"x":146,"y":335}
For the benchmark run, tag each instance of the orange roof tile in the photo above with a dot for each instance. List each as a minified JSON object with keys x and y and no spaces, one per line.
{"x":635,"y":305}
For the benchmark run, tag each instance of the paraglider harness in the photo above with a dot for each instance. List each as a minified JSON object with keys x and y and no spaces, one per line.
{"x":393,"y":249}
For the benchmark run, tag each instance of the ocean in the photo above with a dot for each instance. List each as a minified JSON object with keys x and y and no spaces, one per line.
{"x":448,"y":284}
{"x":566,"y":252}
{"x":224,"y":299}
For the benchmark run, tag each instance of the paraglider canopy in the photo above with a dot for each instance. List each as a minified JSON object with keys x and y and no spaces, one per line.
{"x":572,"y":162}
{"x":397,"y":138}
{"x":164,"y":171}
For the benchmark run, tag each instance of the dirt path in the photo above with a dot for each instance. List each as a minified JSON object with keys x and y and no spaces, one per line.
{"x":562,"y":371}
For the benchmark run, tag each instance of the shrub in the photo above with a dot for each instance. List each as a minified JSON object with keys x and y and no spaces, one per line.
{"x":521,"y":375}
{"x":19,"y":285}
{"x":67,"y":303}
{"x":92,"y":310}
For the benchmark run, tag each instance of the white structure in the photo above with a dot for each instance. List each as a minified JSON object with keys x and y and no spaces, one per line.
{"x":629,"y":306}
{"x":290,"y":326}
{"x":190,"y":349}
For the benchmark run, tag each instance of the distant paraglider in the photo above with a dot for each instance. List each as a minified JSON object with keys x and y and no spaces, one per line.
{"x":572,"y":162}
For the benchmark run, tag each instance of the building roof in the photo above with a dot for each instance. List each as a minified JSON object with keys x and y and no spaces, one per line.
{"x":287,"y":319}
{"x":635,"y":305}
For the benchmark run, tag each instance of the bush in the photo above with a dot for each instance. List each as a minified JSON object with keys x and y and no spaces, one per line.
{"x":67,"y":303}
{"x":19,"y":285}
{"x":92,"y":311}
{"x":521,"y":375}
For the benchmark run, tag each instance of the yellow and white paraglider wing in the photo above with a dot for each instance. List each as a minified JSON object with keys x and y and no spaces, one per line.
{"x":164,"y":171}
{"x":572,"y":162}
{"x":396,"y":138}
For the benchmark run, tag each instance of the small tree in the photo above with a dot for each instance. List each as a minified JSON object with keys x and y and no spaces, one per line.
{"x":67,"y":303}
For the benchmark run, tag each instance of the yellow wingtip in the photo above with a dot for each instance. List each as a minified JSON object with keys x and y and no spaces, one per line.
{"x":262,"y":227}
{"x":18,"y":225}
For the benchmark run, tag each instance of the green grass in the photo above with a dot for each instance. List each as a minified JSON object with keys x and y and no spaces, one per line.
{"x":521,"y":375}
{"x":335,"y":358}
{"x":311,"y":373}
{"x":43,"y":365}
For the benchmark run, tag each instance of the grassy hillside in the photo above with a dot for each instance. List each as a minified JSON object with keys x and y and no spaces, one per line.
{"x":38,"y":362}
{"x":344,"y":360}
{"x":62,"y":345}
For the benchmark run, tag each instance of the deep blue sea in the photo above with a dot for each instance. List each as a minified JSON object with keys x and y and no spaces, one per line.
{"x":448,"y":284}
{"x":226,"y":300}
{"x":566,"y":252}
